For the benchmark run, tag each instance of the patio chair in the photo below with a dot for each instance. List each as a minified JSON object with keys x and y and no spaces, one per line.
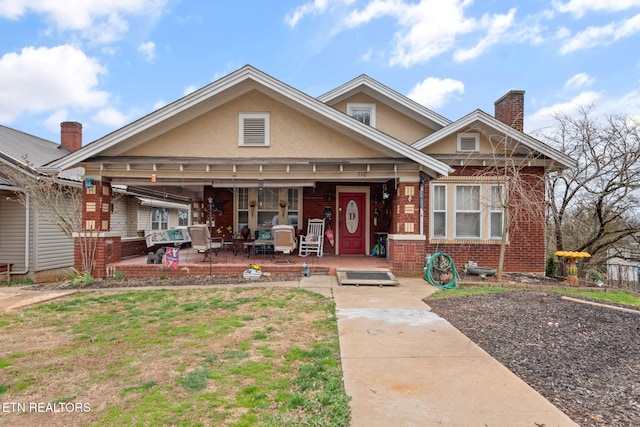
{"x":202,"y":241}
{"x":284,"y":240}
{"x":313,"y":242}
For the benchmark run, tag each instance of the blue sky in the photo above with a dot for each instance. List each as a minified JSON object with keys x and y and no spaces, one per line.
{"x":106,"y":63}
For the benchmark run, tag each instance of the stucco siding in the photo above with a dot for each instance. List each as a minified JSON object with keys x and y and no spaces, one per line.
{"x":389,"y":120}
{"x":215,"y":134}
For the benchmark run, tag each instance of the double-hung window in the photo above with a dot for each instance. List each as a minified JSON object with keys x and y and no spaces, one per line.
{"x":462,"y":210}
{"x":439,"y":217}
{"x":468,"y":212}
{"x":496,"y":214}
{"x":159,"y":218}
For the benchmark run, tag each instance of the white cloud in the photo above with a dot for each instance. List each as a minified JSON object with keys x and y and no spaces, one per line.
{"x":102,"y":21}
{"x":431,"y":27}
{"x":159,"y":104}
{"x":544,"y":117}
{"x":48,"y":79}
{"x":52,"y":123}
{"x":110,"y":117}
{"x":496,"y":26}
{"x":604,"y":35}
{"x":294,"y":16}
{"x":433,"y":92}
{"x":579,"y":7}
{"x":578,"y":81}
{"x":189,"y":89}
{"x":148,"y":51}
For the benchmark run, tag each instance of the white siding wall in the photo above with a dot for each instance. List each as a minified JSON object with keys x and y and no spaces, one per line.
{"x":53,"y":249}
{"x":12,"y":232}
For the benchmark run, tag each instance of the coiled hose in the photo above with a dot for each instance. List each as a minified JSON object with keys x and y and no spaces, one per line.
{"x":439,"y":269}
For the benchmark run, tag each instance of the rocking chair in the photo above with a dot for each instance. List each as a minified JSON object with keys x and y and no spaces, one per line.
{"x":313,"y":242}
{"x":202,"y":241}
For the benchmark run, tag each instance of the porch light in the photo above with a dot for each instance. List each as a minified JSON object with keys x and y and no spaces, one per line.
{"x":154,"y":177}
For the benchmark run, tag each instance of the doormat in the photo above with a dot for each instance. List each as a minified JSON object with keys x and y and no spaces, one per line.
{"x":366,"y":276}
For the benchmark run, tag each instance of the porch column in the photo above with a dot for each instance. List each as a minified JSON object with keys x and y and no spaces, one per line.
{"x":406,"y":246}
{"x":95,"y":239}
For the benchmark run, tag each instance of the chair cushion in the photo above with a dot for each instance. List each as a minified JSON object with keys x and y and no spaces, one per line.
{"x":311,"y":238}
{"x":264,"y":235}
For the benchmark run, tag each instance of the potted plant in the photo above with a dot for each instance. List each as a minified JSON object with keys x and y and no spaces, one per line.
{"x":252,"y":206}
{"x":140,"y":233}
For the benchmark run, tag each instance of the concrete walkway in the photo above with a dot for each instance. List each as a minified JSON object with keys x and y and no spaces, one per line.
{"x":406,"y":366}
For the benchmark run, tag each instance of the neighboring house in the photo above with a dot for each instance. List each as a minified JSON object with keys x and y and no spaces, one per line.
{"x":29,"y":240}
{"x":378,"y":166}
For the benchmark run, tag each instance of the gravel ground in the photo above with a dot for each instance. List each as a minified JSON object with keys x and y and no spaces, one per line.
{"x":583,"y":359}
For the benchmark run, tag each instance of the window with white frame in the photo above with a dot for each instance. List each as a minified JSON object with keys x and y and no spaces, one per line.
{"x":468,"y":222}
{"x":496,"y":211}
{"x":253,"y":129}
{"x":365,"y":113}
{"x":468,"y":142}
{"x":159,"y":218}
{"x":439,"y":212}
{"x":183,"y":217}
{"x":467,"y":211}
{"x":261,"y":207}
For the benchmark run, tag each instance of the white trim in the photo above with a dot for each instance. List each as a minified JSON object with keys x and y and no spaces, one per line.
{"x":279,"y":91}
{"x":363,"y":106}
{"x":266,"y":129}
{"x":483,"y":118}
{"x":467,"y":136}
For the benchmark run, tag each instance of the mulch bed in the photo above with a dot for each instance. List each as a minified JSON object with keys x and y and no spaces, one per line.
{"x":583,"y":359}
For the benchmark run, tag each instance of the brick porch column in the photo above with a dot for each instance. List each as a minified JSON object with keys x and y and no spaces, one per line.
{"x":95,"y":236}
{"x":405,"y":244}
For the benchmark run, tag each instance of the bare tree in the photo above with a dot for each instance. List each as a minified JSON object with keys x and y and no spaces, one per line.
{"x":61,"y":200}
{"x":520,"y":192}
{"x":595,"y":205}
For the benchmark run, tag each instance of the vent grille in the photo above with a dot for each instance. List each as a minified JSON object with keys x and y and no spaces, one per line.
{"x":468,"y":143}
{"x":254,"y":131}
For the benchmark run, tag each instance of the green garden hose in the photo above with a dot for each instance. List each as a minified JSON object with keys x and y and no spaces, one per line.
{"x":439,"y":269}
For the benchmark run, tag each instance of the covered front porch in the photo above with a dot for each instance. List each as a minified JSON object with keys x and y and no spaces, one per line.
{"x":228,"y":263}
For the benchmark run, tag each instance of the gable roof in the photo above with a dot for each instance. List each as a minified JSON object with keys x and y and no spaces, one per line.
{"x":479,"y":116}
{"x":15,"y":145}
{"x":367,"y":85}
{"x":19,"y":148}
{"x":225,"y":89}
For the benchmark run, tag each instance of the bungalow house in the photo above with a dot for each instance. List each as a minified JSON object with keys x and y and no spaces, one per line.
{"x":30,"y":241}
{"x":380,"y":168}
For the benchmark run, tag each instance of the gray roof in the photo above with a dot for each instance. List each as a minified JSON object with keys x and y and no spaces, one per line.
{"x":15,"y":145}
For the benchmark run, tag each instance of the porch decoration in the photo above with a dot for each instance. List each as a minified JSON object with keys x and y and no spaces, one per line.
{"x":572,"y":270}
{"x":253,"y":272}
{"x":140,"y":233}
{"x":252,"y":207}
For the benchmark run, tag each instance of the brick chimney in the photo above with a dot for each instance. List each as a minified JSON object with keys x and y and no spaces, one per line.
{"x":510,"y":109}
{"x":71,"y":135}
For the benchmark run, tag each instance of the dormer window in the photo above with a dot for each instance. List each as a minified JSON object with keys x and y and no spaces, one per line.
{"x":253,"y":129}
{"x":365,"y":113}
{"x":468,"y":142}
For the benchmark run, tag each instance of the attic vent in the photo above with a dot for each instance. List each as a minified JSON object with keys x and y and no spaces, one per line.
{"x":468,"y":142}
{"x":254,"y":129}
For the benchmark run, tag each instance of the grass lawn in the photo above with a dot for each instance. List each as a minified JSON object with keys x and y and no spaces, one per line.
{"x":225,"y":357}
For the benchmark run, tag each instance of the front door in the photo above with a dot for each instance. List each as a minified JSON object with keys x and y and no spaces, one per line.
{"x":352,"y":223}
